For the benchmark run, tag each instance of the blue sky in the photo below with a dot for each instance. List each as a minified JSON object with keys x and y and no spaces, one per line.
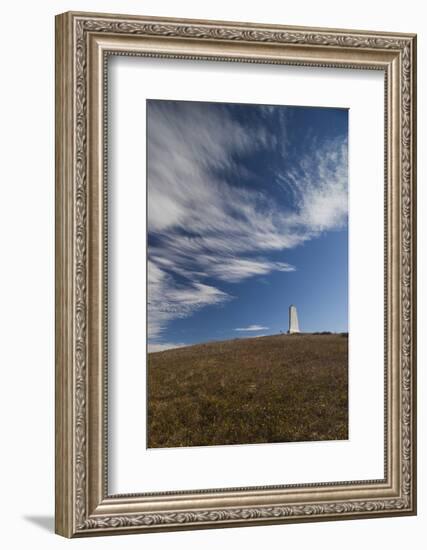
{"x":247,"y":213}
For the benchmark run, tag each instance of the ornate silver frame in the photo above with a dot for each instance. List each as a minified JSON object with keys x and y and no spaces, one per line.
{"x":83,"y":505}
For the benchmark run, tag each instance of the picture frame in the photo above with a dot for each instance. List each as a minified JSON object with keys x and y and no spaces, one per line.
{"x":84,"y":506}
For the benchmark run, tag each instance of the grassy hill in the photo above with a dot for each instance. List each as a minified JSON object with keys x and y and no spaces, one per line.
{"x":253,"y":390}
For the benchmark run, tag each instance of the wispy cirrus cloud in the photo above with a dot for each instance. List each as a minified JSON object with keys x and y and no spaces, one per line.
{"x":168,"y":299}
{"x":319,"y":183}
{"x":234,"y":270}
{"x":251,"y":328}
{"x":164,"y":346}
{"x":205,"y":227}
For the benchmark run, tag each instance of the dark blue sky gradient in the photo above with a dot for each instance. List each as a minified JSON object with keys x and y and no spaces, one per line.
{"x":318,"y":288}
{"x":290,"y":137}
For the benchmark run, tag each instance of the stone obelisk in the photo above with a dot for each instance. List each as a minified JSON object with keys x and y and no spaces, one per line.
{"x":293,"y":320}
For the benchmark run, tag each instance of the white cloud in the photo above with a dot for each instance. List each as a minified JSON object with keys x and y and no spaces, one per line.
{"x":168,"y":300}
{"x":153,"y":348}
{"x":251,"y":328}
{"x":234,"y":270}
{"x":205,"y":225}
{"x":319,"y":184}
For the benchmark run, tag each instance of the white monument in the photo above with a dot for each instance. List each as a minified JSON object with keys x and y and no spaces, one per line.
{"x":293,"y":320}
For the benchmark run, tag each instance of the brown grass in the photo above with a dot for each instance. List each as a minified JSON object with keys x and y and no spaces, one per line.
{"x":256,"y":390}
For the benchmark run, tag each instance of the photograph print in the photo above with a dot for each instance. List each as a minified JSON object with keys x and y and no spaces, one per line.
{"x":247,"y":273}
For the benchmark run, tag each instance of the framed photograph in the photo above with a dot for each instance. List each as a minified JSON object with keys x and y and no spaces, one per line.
{"x":235,"y":274}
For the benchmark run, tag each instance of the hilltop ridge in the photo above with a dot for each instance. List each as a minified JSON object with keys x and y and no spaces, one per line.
{"x":249,"y":390}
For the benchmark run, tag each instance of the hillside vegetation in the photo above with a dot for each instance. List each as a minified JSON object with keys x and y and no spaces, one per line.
{"x":253,"y":390}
